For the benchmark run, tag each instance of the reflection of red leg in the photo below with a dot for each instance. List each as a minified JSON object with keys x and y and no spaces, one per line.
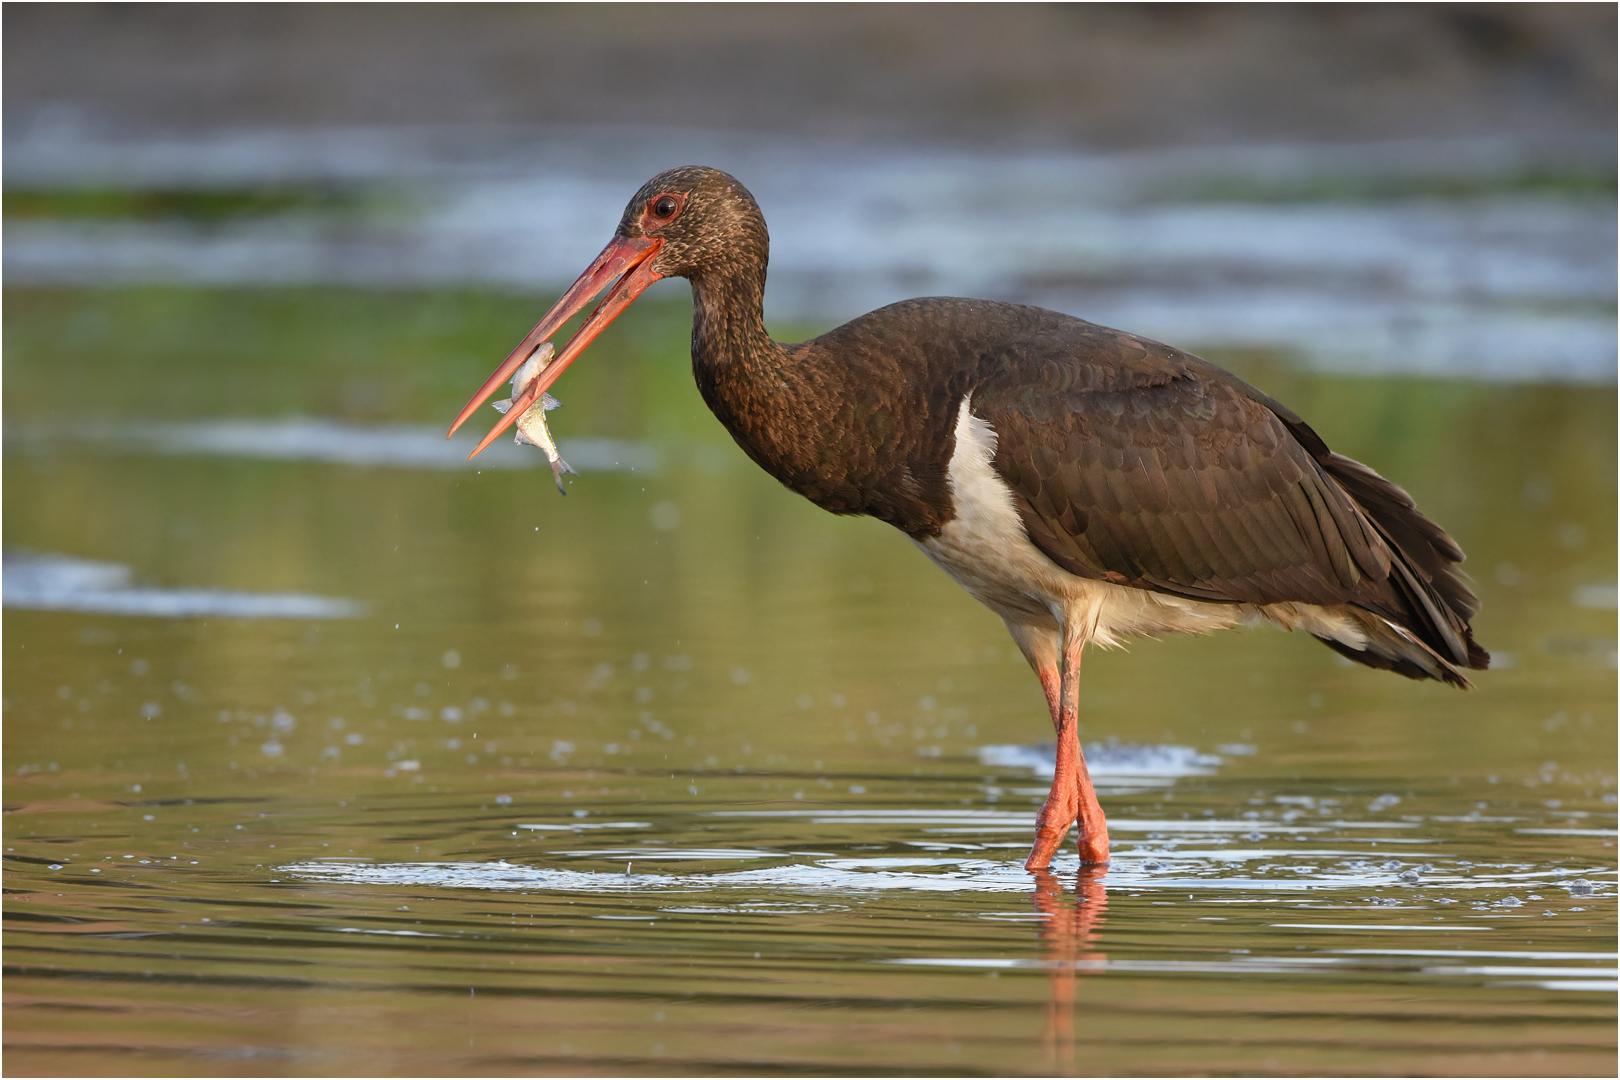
{"x":1072,"y":797}
{"x":1065,"y":934}
{"x":1057,"y":936}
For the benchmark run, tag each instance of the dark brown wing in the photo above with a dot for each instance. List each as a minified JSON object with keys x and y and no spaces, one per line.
{"x":1136,"y":463}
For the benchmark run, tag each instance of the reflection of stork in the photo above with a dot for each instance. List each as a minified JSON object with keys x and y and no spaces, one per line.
{"x":1083,"y":483}
{"x":1065,"y":932}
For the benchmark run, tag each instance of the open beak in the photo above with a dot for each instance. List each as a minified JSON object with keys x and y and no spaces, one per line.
{"x":626,"y":258}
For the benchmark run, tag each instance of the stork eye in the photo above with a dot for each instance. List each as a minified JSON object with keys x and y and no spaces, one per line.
{"x":665,"y":206}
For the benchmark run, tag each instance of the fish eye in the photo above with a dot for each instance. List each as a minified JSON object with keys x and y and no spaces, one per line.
{"x":665,"y":206}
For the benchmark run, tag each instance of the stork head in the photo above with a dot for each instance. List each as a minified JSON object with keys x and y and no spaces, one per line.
{"x":686,"y":222}
{"x":704,"y":219}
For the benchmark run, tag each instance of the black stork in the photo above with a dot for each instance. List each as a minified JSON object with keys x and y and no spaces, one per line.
{"x":1083,"y":483}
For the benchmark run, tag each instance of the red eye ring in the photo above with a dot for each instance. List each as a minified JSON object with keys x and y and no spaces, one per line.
{"x":661,"y":210}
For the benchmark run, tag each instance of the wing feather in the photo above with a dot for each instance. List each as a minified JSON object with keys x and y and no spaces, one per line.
{"x":1132,"y":462}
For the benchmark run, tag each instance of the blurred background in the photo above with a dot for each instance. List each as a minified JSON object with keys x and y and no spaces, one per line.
{"x":1403,"y":189}
{"x":256,"y":256}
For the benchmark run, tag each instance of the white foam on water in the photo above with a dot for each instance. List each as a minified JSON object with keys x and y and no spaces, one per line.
{"x":63,"y":583}
{"x":1335,"y":877}
{"x":665,"y":854}
{"x":838,"y":875}
{"x":579,"y":826}
{"x":886,"y":815}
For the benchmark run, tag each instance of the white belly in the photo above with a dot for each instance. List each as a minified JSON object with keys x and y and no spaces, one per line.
{"x":985,"y":548}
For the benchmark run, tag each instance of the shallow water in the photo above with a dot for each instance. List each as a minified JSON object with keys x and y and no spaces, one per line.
{"x":680,"y":775}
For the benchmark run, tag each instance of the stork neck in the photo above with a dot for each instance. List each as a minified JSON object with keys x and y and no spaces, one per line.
{"x":728,"y":327}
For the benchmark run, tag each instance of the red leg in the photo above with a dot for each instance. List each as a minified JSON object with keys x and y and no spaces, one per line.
{"x":1062,"y":805}
{"x":1072,"y":797}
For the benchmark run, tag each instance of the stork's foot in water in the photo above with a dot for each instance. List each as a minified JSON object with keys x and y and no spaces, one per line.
{"x":1052,"y":824}
{"x":1065,"y":806}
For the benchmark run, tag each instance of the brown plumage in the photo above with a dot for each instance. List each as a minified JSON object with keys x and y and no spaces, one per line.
{"x":1083,"y":482}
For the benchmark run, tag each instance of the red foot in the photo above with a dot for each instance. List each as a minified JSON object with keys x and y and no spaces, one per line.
{"x":1093,"y":847}
{"x":1072,"y":799}
{"x":1052,"y":824}
{"x":1094,"y":843}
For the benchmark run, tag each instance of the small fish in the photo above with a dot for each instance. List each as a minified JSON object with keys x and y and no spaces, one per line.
{"x":531,"y":426}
